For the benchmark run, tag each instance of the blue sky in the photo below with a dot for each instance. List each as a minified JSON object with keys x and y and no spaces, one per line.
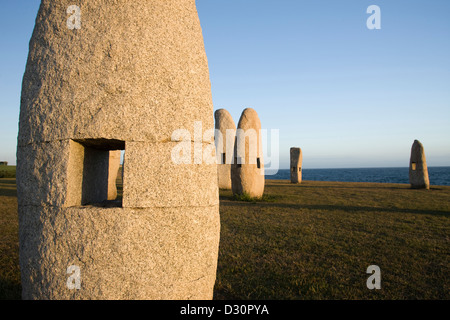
{"x":347,"y":95}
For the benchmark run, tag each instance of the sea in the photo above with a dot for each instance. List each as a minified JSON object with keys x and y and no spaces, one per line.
{"x":439,"y":176}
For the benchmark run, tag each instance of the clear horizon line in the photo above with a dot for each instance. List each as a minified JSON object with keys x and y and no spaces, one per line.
{"x":389,"y":167}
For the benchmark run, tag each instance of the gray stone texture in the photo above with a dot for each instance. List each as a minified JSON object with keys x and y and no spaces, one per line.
{"x":247,"y":170}
{"x":224,"y":146}
{"x":418,"y":170}
{"x":135,"y":72}
{"x":166,"y":184}
{"x":296,"y":165}
{"x":135,"y":69}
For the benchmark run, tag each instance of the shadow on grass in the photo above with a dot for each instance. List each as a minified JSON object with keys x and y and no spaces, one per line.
{"x":356,"y":209}
{"x":224,"y":294}
{"x":7,"y":181}
{"x":10,"y":290}
{"x":8,"y":192}
{"x":246,"y":199}
{"x":8,"y":187}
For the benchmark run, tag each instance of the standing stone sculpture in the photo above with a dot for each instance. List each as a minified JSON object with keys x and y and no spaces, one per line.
{"x":247,"y":170}
{"x":296,"y":165}
{"x":225,"y":137}
{"x":418,"y":171}
{"x":126,"y":79}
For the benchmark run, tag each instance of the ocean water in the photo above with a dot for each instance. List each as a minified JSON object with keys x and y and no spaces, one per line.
{"x":439,"y":176}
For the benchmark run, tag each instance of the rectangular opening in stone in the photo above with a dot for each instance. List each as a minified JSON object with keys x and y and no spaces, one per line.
{"x":224,"y":158}
{"x":258,"y":163}
{"x":413,"y":166}
{"x":94,"y":172}
{"x":299,"y":169}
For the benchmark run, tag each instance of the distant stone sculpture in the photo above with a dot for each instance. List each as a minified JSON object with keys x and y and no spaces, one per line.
{"x":3,"y":163}
{"x":418,"y":171}
{"x":225,"y":137}
{"x":247,"y":170}
{"x":93,"y":91}
{"x":296,"y":165}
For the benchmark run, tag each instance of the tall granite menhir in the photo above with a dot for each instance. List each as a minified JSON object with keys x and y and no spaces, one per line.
{"x":418,"y":170}
{"x":224,"y":139}
{"x":134,"y":72}
{"x":247,"y":170}
{"x":296,"y":165}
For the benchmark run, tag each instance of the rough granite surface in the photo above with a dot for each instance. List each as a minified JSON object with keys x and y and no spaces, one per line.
{"x":122,"y":253}
{"x":135,"y":72}
{"x":152,"y":179}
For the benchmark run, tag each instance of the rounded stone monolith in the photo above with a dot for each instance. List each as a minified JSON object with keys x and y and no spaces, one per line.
{"x":126,"y":77}
{"x":247,"y":170}
{"x":224,"y":139}
{"x":418,"y":170}
{"x":296,"y":165}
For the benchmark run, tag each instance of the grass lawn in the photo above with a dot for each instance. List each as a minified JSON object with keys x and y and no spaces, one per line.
{"x":309,"y":241}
